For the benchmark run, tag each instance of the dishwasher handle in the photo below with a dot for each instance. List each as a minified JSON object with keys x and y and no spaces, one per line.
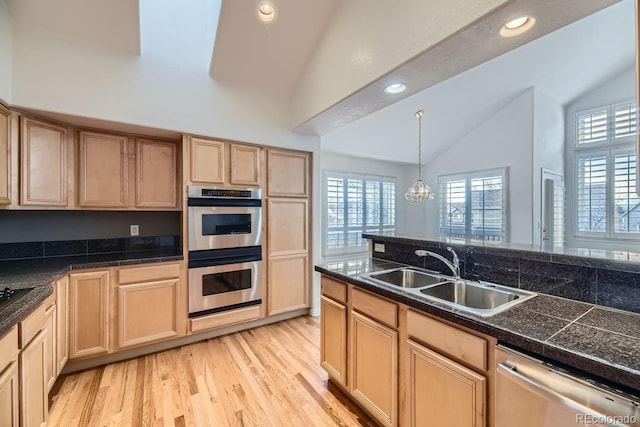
{"x":555,"y":396}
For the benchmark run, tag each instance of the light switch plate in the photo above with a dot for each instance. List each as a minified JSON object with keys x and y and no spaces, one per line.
{"x":378,"y":247}
{"x":135,"y":230}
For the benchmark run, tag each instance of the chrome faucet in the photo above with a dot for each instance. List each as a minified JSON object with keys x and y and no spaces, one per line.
{"x":453,"y":266}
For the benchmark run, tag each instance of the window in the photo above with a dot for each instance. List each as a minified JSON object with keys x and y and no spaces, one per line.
{"x":607,"y":204}
{"x":356,"y":204}
{"x":473,"y":205}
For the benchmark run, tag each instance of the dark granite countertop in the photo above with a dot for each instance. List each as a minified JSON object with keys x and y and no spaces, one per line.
{"x":599,"y":341}
{"x":40,"y":273}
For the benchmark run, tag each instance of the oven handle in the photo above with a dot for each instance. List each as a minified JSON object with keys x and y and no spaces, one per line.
{"x":553,"y":395}
{"x":224,"y":202}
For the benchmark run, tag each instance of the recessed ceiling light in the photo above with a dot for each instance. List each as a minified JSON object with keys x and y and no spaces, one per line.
{"x":517,"y":26}
{"x":266,"y":12}
{"x":395,"y":88}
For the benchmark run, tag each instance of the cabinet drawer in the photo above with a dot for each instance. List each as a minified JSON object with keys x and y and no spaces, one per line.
{"x":30,"y":326}
{"x":225,"y":319}
{"x":453,"y":342}
{"x":334,"y":289}
{"x":375,"y":307}
{"x":147,"y":273}
{"x":8,"y":348}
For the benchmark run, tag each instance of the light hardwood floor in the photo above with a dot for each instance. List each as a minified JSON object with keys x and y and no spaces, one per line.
{"x":267,"y":376}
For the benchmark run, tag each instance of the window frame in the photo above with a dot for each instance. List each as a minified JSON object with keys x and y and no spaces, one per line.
{"x":380,"y":226}
{"x":468,"y":177}
{"x":611,"y":147}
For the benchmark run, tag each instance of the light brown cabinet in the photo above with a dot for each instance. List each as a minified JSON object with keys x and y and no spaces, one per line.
{"x":103,"y":170}
{"x":140,"y":288}
{"x":51,"y":350}
{"x":44,"y":152}
{"x":5,"y":156}
{"x":34,"y":406}
{"x":62,"y":323}
{"x":9,"y":383}
{"x":224,"y":163}
{"x":443,"y":392}
{"x":288,"y":174}
{"x":156,"y":176}
{"x":287,"y":249}
{"x":89,"y":328}
{"x":333,"y":339}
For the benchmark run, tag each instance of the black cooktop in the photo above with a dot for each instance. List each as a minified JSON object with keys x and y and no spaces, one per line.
{"x":8,"y":295}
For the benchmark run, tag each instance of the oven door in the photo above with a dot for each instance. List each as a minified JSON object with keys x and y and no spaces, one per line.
{"x":216,"y":227}
{"x":221,"y":287}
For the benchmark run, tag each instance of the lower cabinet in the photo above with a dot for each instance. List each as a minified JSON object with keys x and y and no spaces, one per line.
{"x":33,"y":385}
{"x":442,"y":392}
{"x":333,"y":339}
{"x":89,"y":328}
{"x":62,"y":323}
{"x":287,"y":288}
{"x":51,"y":365}
{"x":373,"y":367}
{"x":9,"y":413}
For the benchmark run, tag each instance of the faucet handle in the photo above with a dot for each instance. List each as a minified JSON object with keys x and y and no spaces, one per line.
{"x":422,"y":252}
{"x":456,"y":260}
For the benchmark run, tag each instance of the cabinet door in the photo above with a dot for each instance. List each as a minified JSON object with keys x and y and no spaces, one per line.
{"x":137,"y":324}
{"x":245,"y":165}
{"x":62,"y":323}
{"x":287,"y":287}
{"x":333,"y":339}
{"x":442,"y":392}
{"x":5,"y":156}
{"x":51,"y":365}
{"x":103,"y":170}
{"x":156,"y":172}
{"x":288,"y":174}
{"x":89,"y":314}
{"x":287,"y":226}
{"x":43,"y":157}
{"x":373,"y":368}
{"x":33,"y":387}
{"x":208,"y":164}
{"x":9,"y":399}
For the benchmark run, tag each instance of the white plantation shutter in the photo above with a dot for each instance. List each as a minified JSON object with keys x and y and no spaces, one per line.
{"x":473,"y":205}
{"x":355,"y":204}
{"x":592,"y":126}
{"x":626,"y":200}
{"x":624,"y":119}
{"x":592,"y":193}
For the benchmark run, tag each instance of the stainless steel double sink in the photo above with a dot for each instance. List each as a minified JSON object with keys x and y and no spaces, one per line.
{"x":481,"y":298}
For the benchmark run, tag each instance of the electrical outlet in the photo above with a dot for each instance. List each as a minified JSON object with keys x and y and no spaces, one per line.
{"x":378,"y":247}
{"x":135,"y":229}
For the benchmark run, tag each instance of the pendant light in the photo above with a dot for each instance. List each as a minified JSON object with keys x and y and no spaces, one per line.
{"x":419,"y":191}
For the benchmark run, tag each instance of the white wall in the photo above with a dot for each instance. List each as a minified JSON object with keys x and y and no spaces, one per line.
{"x":167,"y":87}
{"x":364,"y":42}
{"x":6,"y":53}
{"x":619,"y":88}
{"x":548,"y":150}
{"x":503,"y":140}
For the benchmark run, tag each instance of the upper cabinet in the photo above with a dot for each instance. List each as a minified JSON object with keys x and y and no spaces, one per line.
{"x":107,"y":161}
{"x":156,"y":166}
{"x":44,"y":150}
{"x":103,"y":171}
{"x":288,"y":174}
{"x":5,"y":156}
{"x":224,"y":163}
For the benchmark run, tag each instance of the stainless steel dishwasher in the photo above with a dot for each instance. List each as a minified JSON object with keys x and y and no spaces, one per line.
{"x":533,"y":393}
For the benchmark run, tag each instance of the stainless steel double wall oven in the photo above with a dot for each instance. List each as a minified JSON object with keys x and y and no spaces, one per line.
{"x":225,"y":249}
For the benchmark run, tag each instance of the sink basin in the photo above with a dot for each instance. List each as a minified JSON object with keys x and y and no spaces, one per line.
{"x":407,"y":277}
{"x":480,"y":298}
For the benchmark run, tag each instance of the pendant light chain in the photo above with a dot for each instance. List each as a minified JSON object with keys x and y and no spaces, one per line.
{"x":419,"y":116}
{"x":419,"y":191}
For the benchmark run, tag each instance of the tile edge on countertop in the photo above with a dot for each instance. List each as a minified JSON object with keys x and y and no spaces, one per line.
{"x":615,"y":374}
{"x":13,"y":313}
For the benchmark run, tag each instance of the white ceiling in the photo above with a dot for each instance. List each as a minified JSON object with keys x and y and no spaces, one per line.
{"x":272,"y":59}
{"x":112,"y":24}
{"x":563,"y":65}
